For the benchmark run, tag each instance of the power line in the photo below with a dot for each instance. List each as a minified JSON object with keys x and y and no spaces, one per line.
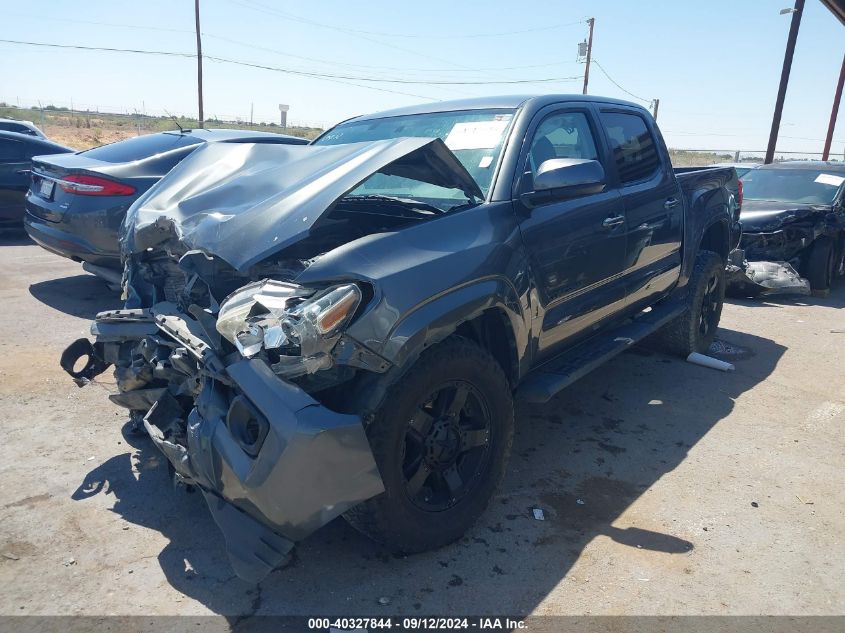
{"x":429,"y":36}
{"x":627,"y":92}
{"x":371,"y":67}
{"x":193,"y":55}
{"x":96,"y":23}
{"x":271,"y":11}
{"x":100,"y":48}
{"x":285,"y":53}
{"x":426,"y":82}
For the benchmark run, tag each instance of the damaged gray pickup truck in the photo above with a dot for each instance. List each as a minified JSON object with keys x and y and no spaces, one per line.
{"x":340,"y":328}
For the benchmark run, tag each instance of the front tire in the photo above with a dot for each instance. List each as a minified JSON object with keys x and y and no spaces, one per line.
{"x":820,"y":266}
{"x":441,"y":438}
{"x":695,"y":329}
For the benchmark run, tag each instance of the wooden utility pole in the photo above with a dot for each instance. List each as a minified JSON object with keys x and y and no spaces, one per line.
{"x":834,"y":112}
{"x":784,"y":78}
{"x":591,"y":22}
{"x":199,"y":62}
{"x":656,"y":103}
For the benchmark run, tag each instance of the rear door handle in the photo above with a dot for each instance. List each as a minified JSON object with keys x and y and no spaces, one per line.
{"x":612,"y":221}
{"x":21,"y":172}
{"x":671,"y":203}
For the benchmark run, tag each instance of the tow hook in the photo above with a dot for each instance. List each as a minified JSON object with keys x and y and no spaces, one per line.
{"x":94,"y":365}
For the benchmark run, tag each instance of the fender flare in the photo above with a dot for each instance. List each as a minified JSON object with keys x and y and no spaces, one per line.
{"x":440,"y":316}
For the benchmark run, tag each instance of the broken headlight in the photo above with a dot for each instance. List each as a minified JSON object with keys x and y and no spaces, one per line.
{"x":299,"y":324}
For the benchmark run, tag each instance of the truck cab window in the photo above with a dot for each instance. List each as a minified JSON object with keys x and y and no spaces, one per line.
{"x":633,"y":147}
{"x":561,"y":135}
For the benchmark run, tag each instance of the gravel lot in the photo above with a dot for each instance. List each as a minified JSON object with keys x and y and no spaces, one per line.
{"x":667,"y":488}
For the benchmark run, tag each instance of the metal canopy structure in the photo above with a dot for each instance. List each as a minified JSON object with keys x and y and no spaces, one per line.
{"x":837,"y":8}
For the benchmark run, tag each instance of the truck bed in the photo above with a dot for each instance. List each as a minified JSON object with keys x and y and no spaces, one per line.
{"x":696,"y":180}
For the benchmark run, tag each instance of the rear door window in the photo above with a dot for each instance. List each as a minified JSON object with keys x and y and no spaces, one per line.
{"x":140,"y":147}
{"x":16,"y":127}
{"x":632,"y":146}
{"x":11,"y":151}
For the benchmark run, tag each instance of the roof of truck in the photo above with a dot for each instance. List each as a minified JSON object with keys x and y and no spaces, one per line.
{"x":482,"y":103}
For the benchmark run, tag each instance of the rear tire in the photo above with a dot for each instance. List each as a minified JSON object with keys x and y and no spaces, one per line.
{"x":441,"y":437}
{"x":819,"y":268}
{"x":695,"y":329}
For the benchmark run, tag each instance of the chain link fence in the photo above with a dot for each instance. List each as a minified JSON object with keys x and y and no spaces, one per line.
{"x":704,"y":157}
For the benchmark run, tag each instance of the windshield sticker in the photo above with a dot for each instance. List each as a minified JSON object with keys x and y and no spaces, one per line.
{"x":485,"y":161}
{"x":830,"y":179}
{"x":476,"y":135}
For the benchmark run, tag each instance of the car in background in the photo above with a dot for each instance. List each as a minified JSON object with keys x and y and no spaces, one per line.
{"x":794,"y":212}
{"x":77,"y":202}
{"x":16,"y":152}
{"x":21,"y":127}
{"x":741,"y":168}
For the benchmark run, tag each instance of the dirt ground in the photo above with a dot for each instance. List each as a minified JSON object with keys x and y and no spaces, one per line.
{"x":667,"y":488}
{"x":83,"y":138}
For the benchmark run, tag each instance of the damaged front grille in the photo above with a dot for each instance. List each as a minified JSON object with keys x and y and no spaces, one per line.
{"x":174,"y":285}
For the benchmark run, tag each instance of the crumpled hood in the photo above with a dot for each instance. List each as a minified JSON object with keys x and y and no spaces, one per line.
{"x":244,"y":202}
{"x":767,"y":215}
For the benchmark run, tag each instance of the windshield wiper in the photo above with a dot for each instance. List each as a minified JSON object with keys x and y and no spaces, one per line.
{"x":418,"y":205}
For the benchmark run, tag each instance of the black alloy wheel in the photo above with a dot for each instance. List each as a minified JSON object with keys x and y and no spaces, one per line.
{"x":447,"y":445}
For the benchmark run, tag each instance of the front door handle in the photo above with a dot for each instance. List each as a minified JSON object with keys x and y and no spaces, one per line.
{"x":612,"y":221}
{"x":671,"y":203}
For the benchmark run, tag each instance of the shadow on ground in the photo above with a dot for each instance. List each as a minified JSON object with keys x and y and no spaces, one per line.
{"x":80,"y":295}
{"x":14,"y":237}
{"x":582,"y":458}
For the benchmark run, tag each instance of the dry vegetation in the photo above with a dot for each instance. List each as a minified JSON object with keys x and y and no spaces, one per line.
{"x":83,"y":130}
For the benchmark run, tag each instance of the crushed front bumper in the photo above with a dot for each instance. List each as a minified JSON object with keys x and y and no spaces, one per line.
{"x":273,"y":463}
{"x":762,"y":278}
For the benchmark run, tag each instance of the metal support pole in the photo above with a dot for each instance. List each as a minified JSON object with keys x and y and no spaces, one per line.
{"x":199,"y":63}
{"x":591,"y":22}
{"x":784,"y":78}
{"x":837,"y":97}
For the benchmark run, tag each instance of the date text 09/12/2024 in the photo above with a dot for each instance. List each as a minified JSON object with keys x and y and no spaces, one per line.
{"x":360,"y":624}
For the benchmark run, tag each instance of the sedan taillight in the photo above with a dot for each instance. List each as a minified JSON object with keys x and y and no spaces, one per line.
{"x":94,"y":186}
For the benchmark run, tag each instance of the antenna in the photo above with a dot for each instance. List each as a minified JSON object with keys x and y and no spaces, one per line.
{"x":176,"y":121}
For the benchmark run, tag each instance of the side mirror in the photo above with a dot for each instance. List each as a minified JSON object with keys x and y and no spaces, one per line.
{"x":560,"y":178}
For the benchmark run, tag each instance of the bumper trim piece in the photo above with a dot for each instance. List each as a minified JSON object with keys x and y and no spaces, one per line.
{"x":254,"y":550}
{"x":313,"y":465}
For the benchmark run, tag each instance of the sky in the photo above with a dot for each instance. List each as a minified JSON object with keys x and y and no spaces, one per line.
{"x":714,"y":65}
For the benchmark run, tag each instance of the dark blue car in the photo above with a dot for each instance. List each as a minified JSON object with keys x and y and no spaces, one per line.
{"x":76,"y":202}
{"x":16,"y":152}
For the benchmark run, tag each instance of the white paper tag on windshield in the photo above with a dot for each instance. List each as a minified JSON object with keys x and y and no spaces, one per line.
{"x":485,"y":161}
{"x":830,"y":179}
{"x":476,"y":135}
